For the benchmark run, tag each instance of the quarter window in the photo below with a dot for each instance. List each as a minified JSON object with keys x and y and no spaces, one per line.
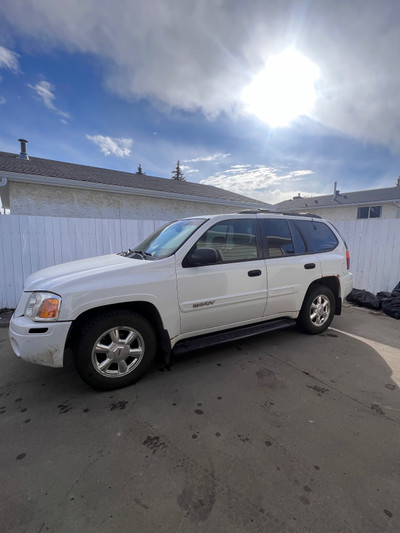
{"x":235,"y":240}
{"x":317,"y":235}
{"x":373,"y":211}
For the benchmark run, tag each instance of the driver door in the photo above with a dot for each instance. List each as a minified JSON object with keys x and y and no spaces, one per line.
{"x":229,"y":293}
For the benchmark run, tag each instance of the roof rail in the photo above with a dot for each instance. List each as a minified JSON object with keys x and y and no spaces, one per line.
{"x":260,"y":211}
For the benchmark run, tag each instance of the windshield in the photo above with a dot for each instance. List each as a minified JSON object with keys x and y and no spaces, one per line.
{"x":167,"y":239}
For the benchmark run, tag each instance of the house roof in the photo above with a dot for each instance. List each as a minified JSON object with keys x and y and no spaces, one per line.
{"x":57,"y":172}
{"x":373,"y":196}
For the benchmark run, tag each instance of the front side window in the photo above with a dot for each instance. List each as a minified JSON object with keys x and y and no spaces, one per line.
{"x":318,"y":236}
{"x":279,"y":238}
{"x":234,"y":240}
{"x":374,"y":211}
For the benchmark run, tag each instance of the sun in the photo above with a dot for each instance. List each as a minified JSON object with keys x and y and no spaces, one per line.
{"x":283,"y":90}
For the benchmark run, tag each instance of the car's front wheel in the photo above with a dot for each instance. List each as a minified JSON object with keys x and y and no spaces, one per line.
{"x":317,"y":311}
{"x":115,"y":349}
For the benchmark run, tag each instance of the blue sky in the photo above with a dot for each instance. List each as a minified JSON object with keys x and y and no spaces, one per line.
{"x":122,"y":83}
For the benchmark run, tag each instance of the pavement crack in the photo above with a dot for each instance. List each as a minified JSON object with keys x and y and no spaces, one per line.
{"x":83,"y":473}
{"x":41,"y":527}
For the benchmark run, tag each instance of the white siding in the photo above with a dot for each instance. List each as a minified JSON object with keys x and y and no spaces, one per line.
{"x":374,"y":252}
{"x":348,"y":213}
{"x":30,"y":243}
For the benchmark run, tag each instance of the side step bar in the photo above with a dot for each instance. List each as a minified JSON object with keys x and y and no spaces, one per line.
{"x":198,"y":343}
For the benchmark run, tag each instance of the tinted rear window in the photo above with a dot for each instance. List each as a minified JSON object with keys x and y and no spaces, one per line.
{"x":317,"y":235}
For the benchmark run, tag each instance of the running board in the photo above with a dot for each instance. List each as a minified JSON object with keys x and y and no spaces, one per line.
{"x":198,"y":343}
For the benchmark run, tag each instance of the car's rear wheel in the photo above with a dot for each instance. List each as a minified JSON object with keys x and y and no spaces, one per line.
{"x":317,"y":311}
{"x":115,"y":349}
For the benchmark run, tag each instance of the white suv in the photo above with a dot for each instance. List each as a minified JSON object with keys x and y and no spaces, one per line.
{"x":192,"y":283}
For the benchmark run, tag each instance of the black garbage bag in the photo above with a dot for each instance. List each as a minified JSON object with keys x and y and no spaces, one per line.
{"x":383,"y":295}
{"x":364,"y":299}
{"x":391,"y":307}
{"x":396,"y":290}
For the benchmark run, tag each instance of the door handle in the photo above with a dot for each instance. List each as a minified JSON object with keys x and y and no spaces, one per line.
{"x":309,"y":266}
{"x":254,"y":273}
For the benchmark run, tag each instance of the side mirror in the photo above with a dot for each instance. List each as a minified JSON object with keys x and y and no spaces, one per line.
{"x":201,"y":257}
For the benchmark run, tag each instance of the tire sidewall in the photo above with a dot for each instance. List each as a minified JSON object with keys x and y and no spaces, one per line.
{"x":94,"y":329}
{"x":304,"y":319}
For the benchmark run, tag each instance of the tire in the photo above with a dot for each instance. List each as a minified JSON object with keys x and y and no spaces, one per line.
{"x":115,"y":349}
{"x":317,"y":310}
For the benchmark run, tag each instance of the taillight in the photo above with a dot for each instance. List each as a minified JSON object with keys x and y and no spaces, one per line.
{"x":348,"y":259}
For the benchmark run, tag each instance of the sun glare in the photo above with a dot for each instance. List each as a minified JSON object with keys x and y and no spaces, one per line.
{"x":284,"y":90}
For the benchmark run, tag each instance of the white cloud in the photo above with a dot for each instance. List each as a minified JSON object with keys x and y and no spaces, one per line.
{"x":200,"y":55}
{"x":117,"y":146}
{"x":45,"y":90}
{"x":268,"y":184}
{"x":2,"y":100}
{"x":8,"y":59}
{"x":189,"y":170}
{"x":207,"y":158}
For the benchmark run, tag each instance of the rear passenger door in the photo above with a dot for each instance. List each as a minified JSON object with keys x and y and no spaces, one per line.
{"x":291,"y":267}
{"x":321,"y":240}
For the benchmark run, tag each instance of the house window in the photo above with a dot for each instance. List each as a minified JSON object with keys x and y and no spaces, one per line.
{"x":374,"y":211}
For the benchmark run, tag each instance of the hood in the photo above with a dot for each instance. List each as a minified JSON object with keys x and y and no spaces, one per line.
{"x":55,"y":277}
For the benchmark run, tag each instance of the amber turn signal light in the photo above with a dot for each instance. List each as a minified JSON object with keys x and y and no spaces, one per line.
{"x":49,"y":308}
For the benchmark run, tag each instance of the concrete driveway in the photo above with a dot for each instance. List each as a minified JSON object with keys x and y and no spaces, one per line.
{"x":279,"y":433}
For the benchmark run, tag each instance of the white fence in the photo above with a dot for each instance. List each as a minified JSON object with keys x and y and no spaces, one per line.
{"x":374,"y":246}
{"x":29,"y":243}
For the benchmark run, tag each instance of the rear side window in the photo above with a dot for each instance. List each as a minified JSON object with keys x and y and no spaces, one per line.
{"x":278,"y":237}
{"x":317,"y":236}
{"x":234,"y":240}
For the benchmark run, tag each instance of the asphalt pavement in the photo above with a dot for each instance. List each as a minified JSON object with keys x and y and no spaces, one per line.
{"x":283,"y":432}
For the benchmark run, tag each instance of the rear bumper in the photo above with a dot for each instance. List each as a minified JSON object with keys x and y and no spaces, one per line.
{"x":346,"y":285}
{"x":40,"y":343}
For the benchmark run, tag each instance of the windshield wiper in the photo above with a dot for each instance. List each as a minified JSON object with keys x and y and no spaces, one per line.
{"x":141,"y":253}
{"x":136,"y":254}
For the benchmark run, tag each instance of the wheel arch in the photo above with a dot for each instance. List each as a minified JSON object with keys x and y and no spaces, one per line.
{"x":146,"y":309}
{"x":333,"y":283}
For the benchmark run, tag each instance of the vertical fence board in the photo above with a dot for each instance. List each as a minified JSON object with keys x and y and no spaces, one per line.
{"x":17,"y":262}
{"x":9,"y":278}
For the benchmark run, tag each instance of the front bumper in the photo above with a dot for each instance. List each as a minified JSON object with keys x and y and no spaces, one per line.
{"x":40,"y":343}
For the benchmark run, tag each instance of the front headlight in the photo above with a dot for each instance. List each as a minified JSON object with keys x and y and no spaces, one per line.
{"x":43,"y":306}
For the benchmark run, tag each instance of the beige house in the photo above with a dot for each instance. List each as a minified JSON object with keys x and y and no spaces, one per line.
{"x":357,"y":205}
{"x":35,"y":186}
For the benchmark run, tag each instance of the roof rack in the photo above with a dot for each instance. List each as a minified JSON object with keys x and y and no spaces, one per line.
{"x":260,"y":211}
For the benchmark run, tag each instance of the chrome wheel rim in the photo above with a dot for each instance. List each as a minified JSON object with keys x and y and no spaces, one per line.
{"x":117,"y":352}
{"x":320,"y":310}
